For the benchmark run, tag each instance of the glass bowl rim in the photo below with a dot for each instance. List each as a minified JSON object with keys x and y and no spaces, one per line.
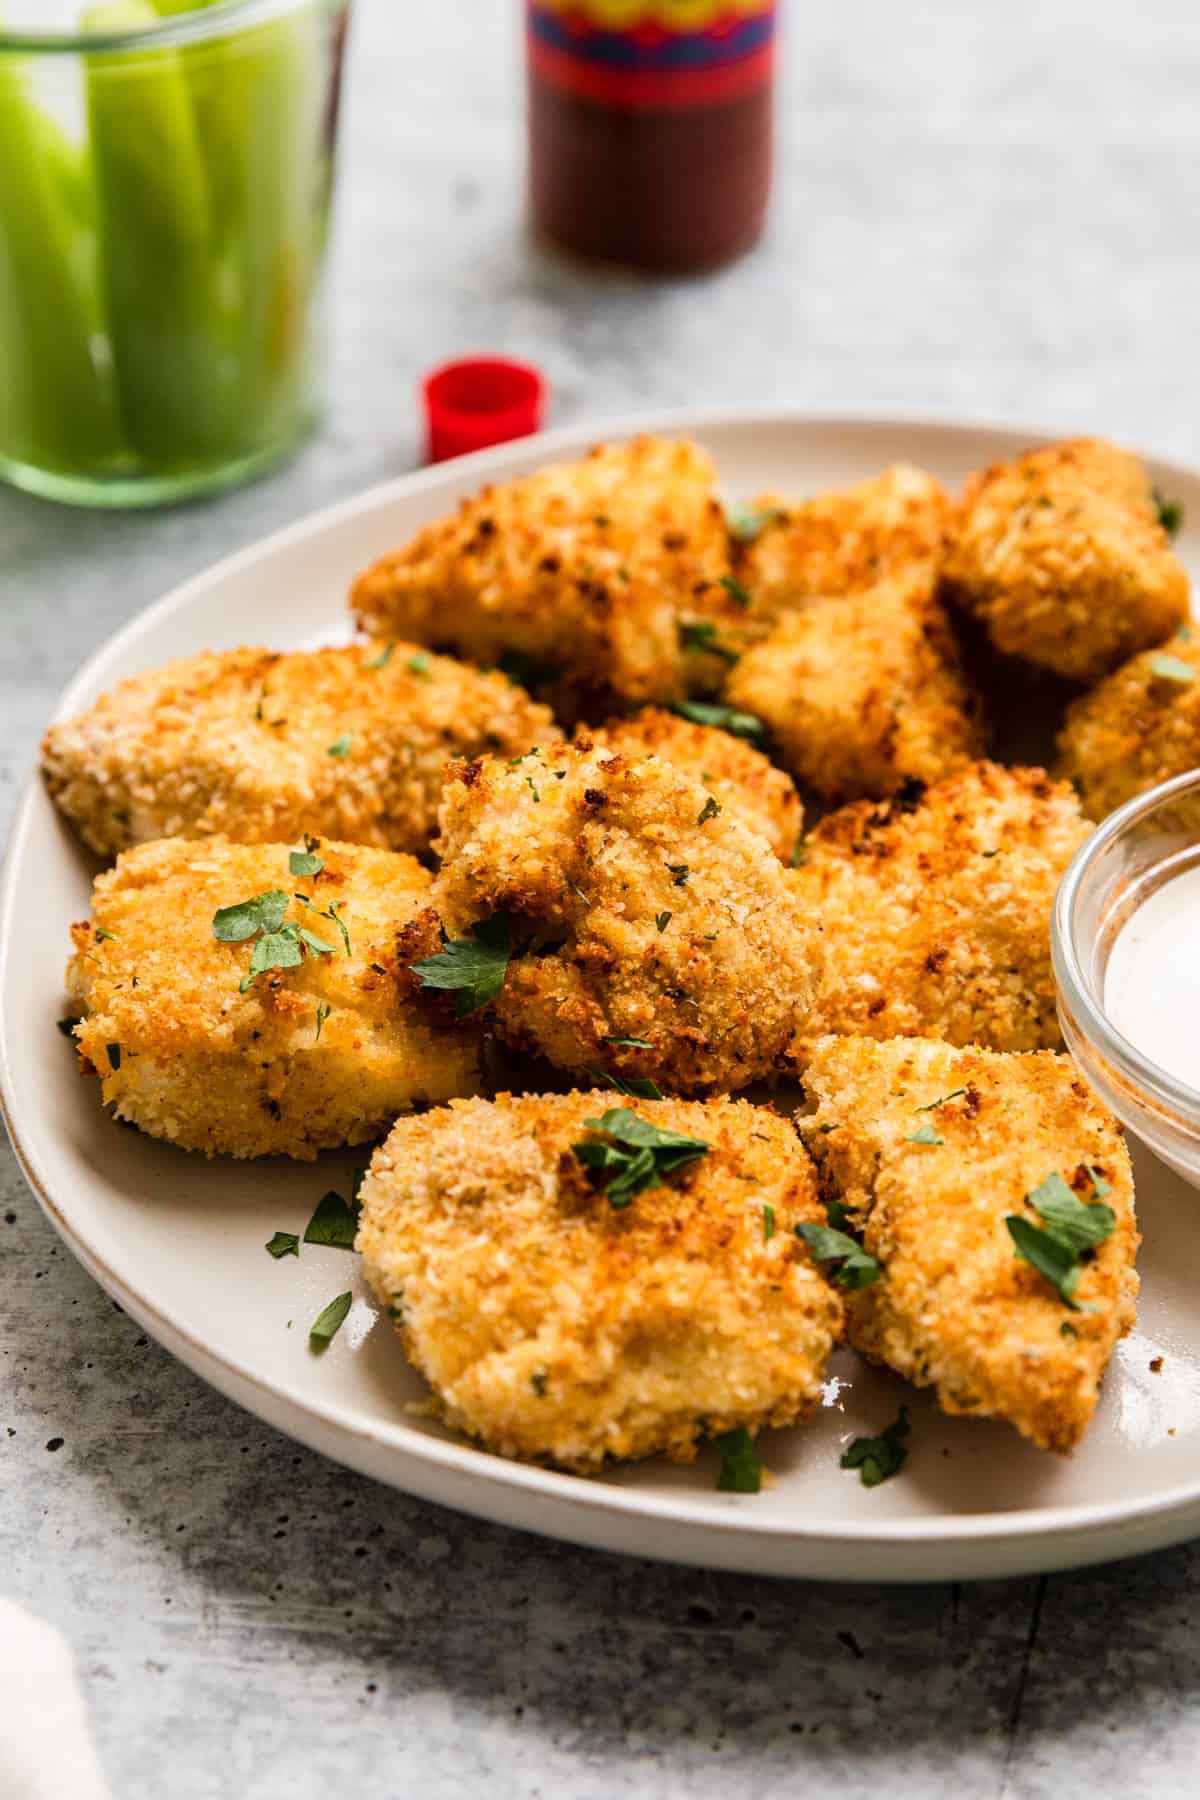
{"x":172,"y":28}
{"x":1145,"y":1077}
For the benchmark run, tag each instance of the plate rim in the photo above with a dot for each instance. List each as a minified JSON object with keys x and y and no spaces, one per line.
{"x":1051,"y":1526}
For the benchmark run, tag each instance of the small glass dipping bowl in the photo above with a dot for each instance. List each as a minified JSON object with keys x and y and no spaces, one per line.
{"x":1148,"y":841}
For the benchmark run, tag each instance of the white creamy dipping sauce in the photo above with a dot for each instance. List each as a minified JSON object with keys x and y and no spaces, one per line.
{"x":1152,"y":981}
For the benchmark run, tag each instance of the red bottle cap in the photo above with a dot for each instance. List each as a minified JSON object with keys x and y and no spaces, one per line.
{"x":478,"y":401}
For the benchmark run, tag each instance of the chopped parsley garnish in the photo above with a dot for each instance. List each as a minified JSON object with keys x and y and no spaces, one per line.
{"x":925,"y":1134}
{"x":537,"y":1382}
{"x":537,"y":798}
{"x":284,"y":1243}
{"x":281,"y":945}
{"x":473,"y":968}
{"x":634,"y":1087}
{"x":341,"y":746}
{"x":383,"y":659}
{"x":879,"y":1458}
{"x":679,"y":873}
{"x":858,"y":1268}
{"x":328,"y":1322}
{"x":1172,"y":668}
{"x":734,"y":587}
{"x":234,"y":924}
{"x":723,"y":718}
{"x":113,"y":1053}
{"x":303,"y":862}
{"x":67,"y":1026}
{"x":768,"y":1222}
{"x":745,"y":522}
{"x":100,"y":936}
{"x":933,"y":1104}
{"x":741,"y":1471}
{"x":333,"y":1224}
{"x":1170,"y":513}
{"x":629,"y":1043}
{"x":1101,"y":1186}
{"x":323,"y":1011}
{"x":1067,"y":1238}
{"x":701,"y":634}
{"x":418,"y":665}
{"x":662,"y":920}
{"x":711,"y":809}
{"x":636,"y":1155}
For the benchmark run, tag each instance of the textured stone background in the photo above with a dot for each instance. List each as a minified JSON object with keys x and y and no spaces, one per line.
{"x":984,"y":210}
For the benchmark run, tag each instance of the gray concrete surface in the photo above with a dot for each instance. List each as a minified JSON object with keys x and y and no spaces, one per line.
{"x":983,"y":210}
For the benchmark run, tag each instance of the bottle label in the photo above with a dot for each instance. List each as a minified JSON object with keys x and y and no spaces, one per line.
{"x":643,"y":54}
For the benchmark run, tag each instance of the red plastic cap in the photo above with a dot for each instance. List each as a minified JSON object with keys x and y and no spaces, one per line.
{"x":481,"y":400}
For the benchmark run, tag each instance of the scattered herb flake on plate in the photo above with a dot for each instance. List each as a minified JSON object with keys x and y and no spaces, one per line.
{"x":879,"y":1458}
{"x":328,"y":1322}
{"x":333,"y":1224}
{"x":284,"y":1243}
{"x":741,"y":1471}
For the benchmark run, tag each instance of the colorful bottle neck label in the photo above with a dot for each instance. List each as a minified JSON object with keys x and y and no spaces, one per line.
{"x":653,"y":54}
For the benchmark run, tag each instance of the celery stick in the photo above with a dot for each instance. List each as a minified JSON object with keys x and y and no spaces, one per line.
{"x":167,"y":319}
{"x":56,"y":401}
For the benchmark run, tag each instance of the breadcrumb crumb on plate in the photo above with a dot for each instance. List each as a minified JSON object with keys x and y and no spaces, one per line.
{"x":320,"y":1054}
{"x":930,"y":1148}
{"x":262,"y":746}
{"x":1062,"y":556}
{"x":553,"y":1326}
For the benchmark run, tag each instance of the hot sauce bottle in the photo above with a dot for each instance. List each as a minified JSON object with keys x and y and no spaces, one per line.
{"x":650,"y":127}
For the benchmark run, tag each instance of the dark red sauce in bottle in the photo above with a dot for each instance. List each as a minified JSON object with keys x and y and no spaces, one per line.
{"x":650,"y":127}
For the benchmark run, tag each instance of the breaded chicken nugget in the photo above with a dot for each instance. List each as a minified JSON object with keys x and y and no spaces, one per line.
{"x":1062,"y":557}
{"x":553,"y":1322}
{"x":655,"y":935}
{"x":863,"y":692}
{"x":263,"y":747}
{"x":287,"y":1040}
{"x":600,"y":580}
{"x":741,"y":777}
{"x":931,"y":1150}
{"x":1139,"y":727}
{"x":937,"y":910}
{"x":840,"y":542}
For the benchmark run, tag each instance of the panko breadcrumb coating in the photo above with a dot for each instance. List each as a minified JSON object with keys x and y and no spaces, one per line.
{"x":1138,"y":727}
{"x":741,"y":777}
{"x":841,"y":542}
{"x":551,"y":1325}
{"x":262,"y":746}
{"x":937,"y":910}
{"x":599,"y":580}
{"x":1062,"y":557}
{"x":863,"y":692}
{"x":955,"y":1308}
{"x":307,"y":1058}
{"x":642,"y":910}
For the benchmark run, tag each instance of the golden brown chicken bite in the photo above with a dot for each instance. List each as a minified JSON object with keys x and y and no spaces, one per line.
{"x":741,"y":777}
{"x":263,"y":746}
{"x":554,"y":1324}
{"x":1062,"y":557}
{"x":268,"y":1041}
{"x":931,"y":1150}
{"x":656,"y":937}
{"x":1140,"y":726}
{"x":791,"y":553}
{"x":937,"y":907}
{"x":599,"y":580}
{"x":863,"y":692}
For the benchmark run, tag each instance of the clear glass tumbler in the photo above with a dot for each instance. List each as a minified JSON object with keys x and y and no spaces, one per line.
{"x":166,"y":174}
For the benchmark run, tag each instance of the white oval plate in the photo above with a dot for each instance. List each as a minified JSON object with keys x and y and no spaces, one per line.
{"x":179,"y":1241}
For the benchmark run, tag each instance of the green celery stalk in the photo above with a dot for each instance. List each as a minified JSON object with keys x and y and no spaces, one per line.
{"x":169,"y":320}
{"x":57,"y":406}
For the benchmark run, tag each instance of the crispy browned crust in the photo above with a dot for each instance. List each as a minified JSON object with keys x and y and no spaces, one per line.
{"x":588,"y":571}
{"x":585,"y":849}
{"x":238,"y":743}
{"x":864,"y":692}
{"x":956,"y":1310}
{"x":842,"y":542}
{"x":1062,"y":556}
{"x":1135,"y":729}
{"x":212,"y":1069}
{"x":741,"y":777}
{"x":554,"y":1327}
{"x":937,"y":907}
